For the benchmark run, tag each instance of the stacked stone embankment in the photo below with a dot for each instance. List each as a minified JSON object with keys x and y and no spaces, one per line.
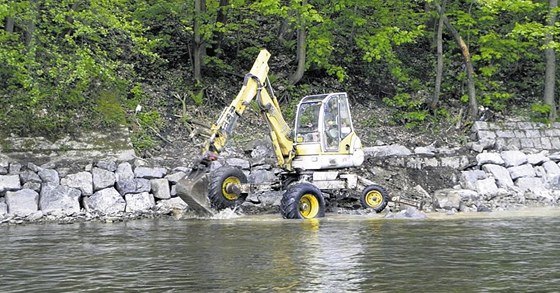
{"x":106,"y":188}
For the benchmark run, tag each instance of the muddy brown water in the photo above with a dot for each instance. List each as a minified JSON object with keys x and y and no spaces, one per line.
{"x":505,"y":252}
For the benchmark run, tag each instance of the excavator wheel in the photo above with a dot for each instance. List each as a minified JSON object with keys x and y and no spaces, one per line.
{"x":374,"y":197}
{"x":224,"y":187}
{"x":302,"y":201}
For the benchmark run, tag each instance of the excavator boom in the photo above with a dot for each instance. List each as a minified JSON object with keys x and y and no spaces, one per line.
{"x":194,"y":188}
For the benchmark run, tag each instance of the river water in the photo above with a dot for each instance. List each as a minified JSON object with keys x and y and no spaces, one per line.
{"x":268,"y":254}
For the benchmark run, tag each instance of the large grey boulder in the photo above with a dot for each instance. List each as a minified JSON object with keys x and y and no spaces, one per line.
{"x":449,"y":198}
{"x":135,"y":185}
{"x":175,"y":177}
{"x":240,"y":163}
{"x":487,"y":188}
{"x":149,"y":173}
{"x":82,"y":181}
{"x":124,"y":171}
{"x":29,"y":176}
{"x":108,"y":165}
{"x":160,"y":188}
{"x":59,"y":200}
{"x":489,"y":158}
{"x":107,"y":201}
{"x":168,"y":205}
{"x":530,"y":183}
{"x":102,"y":178}
{"x":409,"y":213}
{"x":514,"y":158}
{"x":49,"y":176}
{"x":9,"y":182}
{"x":32,"y":185}
{"x":469,"y":178}
{"x":537,"y":159}
{"x":261,"y":176}
{"x":23,"y":202}
{"x":525,"y":170}
{"x":139,"y":202}
{"x":551,"y":169}
{"x":501,"y":175}
{"x":388,"y":150}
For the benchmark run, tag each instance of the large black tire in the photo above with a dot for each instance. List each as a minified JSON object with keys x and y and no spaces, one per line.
{"x":219,"y":197}
{"x":374,"y":197}
{"x":302,"y":201}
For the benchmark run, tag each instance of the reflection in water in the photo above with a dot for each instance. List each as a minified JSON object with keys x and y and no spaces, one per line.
{"x":267,"y":254}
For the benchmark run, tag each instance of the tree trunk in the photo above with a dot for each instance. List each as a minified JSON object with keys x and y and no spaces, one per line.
{"x":473,"y":105}
{"x":28,"y":35}
{"x":301,"y":48}
{"x":198,"y":48}
{"x":550,"y":71}
{"x":221,"y":17}
{"x":9,"y":24}
{"x":439,"y":66}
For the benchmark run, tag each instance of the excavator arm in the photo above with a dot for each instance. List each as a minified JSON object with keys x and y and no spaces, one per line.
{"x":255,"y":87}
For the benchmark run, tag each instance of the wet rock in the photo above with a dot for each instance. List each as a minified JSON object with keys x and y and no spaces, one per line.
{"x":35,"y":216}
{"x":62,"y":199}
{"x":160,"y":188}
{"x":107,"y":165}
{"x":149,"y":173}
{"x":107,"y":201}
{"x":409,"y":213}
{"x":469,"y":178}
{"x":23,"y":202}
{"x":136,"y":185}
{"x":124,"y":171}
{"x":167,"y":205}
{"x":489,"y":158}
{"x":139,"y":202}
{"x":3,"y":208}
{"x":9,"y":182}
{"x":525,"y":170}
{"x":102,"y":178}
{"x":49,"y":176}
{"x":501,"y":174}
{"x":483,"y":209}
{"x":446,"y":199}
{"x":175,"y":177}
{"x":82,"y":181}
{"x":514,"y":158}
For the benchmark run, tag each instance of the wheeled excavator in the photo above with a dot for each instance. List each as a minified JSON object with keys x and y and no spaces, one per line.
{"x":315,"y":157}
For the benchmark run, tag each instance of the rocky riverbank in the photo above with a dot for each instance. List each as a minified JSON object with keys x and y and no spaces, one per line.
{"x":487,"y":174}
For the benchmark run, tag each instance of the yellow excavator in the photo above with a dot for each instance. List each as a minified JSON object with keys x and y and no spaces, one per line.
{"x":315,"y":157}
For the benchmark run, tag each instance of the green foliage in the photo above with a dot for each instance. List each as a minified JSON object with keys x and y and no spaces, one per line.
{"x":109,"y":107}
{"x":143,"y":135}
{"x":540,"y":112}
{"x":198,"y":98}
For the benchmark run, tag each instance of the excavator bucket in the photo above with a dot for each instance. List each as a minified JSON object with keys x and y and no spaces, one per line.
{"x":194,"y":191}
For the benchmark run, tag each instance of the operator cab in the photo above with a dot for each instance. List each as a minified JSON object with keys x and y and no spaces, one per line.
{"x":324,"y":134}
